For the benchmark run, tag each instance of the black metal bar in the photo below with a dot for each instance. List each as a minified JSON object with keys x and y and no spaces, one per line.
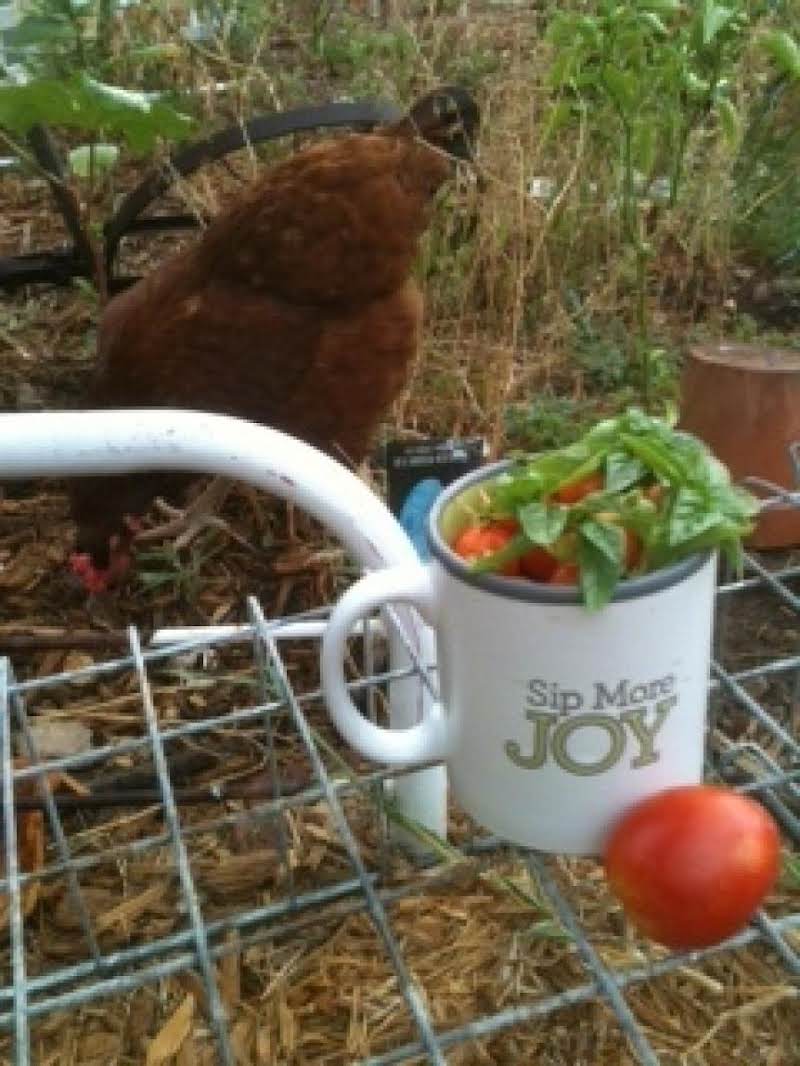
{"x":49,"y":159}
{"x":59,"y":267}
{"x":362,"y":114}
{"x":53,"y":268}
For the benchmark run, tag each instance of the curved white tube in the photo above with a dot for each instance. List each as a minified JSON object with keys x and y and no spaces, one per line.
{"x":128,"y":441}
{"x":117,"y":442}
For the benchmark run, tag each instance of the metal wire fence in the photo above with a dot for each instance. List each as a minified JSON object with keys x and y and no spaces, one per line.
{"x":753,"y":745}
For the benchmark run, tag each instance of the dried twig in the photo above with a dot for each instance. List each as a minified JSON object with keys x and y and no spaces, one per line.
{"x":36,"y":639}
{"x":259,"y":788}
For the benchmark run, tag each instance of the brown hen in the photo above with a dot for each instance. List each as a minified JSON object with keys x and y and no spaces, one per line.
{"x":295,"y":309}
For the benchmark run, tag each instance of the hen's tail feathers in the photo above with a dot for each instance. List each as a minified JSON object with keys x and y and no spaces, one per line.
{"x":447,"y":118}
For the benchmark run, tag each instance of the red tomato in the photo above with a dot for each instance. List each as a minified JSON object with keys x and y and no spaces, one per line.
{"x":690,"y":865}
{"x":565,"y":574}
{"x":633,"y":550}
{"x":476,"y":541}
{"x":538,"y":564}
{"x":575,"y":493}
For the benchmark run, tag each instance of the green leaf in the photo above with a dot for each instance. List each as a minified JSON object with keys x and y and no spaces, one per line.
{"x":563,"y":29}
{"x":654,"y":23}
{"x":621,"y":87}
{"x":729,"y":120}
{"x":560,"y":114}
{"x":645,"y":142}
{"x":784,"y":50}
{"x":600,"y":556}
{"x":140,"y":117}
{"x":715,"y":18}
{"x":541,"y":476}
{"x":607,"y":538}
{"x":589,"y":30}
{"x":641,"y":516}
{"x":85,"y":104}
{"x":653,"y":455}
{"x":708,"y":512}
{"x":622,"y":471}
{"x":791,"y":871}
{"x":663,"y":7}
{"x":105,"y":158}
{"x":542,"y":523}
{"x":562,"y":69}
{"x":36,"y":30}
{"x":690,"y":516}
{"x":695,"y":86}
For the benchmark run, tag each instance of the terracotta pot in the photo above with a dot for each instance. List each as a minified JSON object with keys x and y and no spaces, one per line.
{"x":744,"y":402}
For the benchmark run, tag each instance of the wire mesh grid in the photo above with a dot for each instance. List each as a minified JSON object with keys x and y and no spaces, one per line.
{"x":204,"y":917}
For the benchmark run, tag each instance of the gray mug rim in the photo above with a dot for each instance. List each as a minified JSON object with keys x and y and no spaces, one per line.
{"x":533,"y":591}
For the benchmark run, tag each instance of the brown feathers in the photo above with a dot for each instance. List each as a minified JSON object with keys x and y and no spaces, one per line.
{"x":295,"y":308}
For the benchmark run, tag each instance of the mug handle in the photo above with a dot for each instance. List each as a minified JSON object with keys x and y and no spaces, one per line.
{"x":423,"y":742}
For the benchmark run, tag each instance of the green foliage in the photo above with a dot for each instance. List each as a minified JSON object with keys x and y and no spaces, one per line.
{"x":357,"y":52}
{"x":643,"y":77}
{"x":600,"y":354}
{"x":166,"y":569}
{"x":654,"y":70}
{"x":629,"y":111}
{"x":57,"y":36}
{"x":702,"y":509}
{"x":65,"y":44}
{"x":79,"y":102}
{"x":542,"y":523}
{"x":784,"y":51}
{"x":767,"y":177}
{"x":548,"y":421}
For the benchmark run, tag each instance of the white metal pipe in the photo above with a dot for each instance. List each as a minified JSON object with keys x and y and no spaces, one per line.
{"x":308,"y":630}
{"x":117,"y":442}
{"x":66,"y":444}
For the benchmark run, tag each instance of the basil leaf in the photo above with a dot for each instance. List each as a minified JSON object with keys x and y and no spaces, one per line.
{"x":542,"y":523}
{"x":607,"y":538}
{"x":691,"y":516}
{"x":601,"y":549}
{"x":700,"y":507}
{"x":655,"y":455}
{"x":622,"y":471}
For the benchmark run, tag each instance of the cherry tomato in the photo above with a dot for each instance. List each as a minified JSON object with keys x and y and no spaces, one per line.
{"x":565,"y":574}
{"x":506,"y":525}
{"x":476,"y":541}
{"x":538,"y":564}
{"x":633,"y":550}
{"x":574,"y":493}
{"x":690,"y":865}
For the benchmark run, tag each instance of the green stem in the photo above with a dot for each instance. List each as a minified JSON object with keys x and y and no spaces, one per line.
{"x":628,"y":207}
{"x":105,"y":10}
{"x":676,"y":177}
{"x":641,"y":322}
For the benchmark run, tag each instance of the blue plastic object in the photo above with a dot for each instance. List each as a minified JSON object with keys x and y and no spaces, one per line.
{"x":415,"y":510}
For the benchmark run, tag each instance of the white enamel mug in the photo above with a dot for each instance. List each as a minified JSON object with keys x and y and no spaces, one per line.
{"x":552,"y":720}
